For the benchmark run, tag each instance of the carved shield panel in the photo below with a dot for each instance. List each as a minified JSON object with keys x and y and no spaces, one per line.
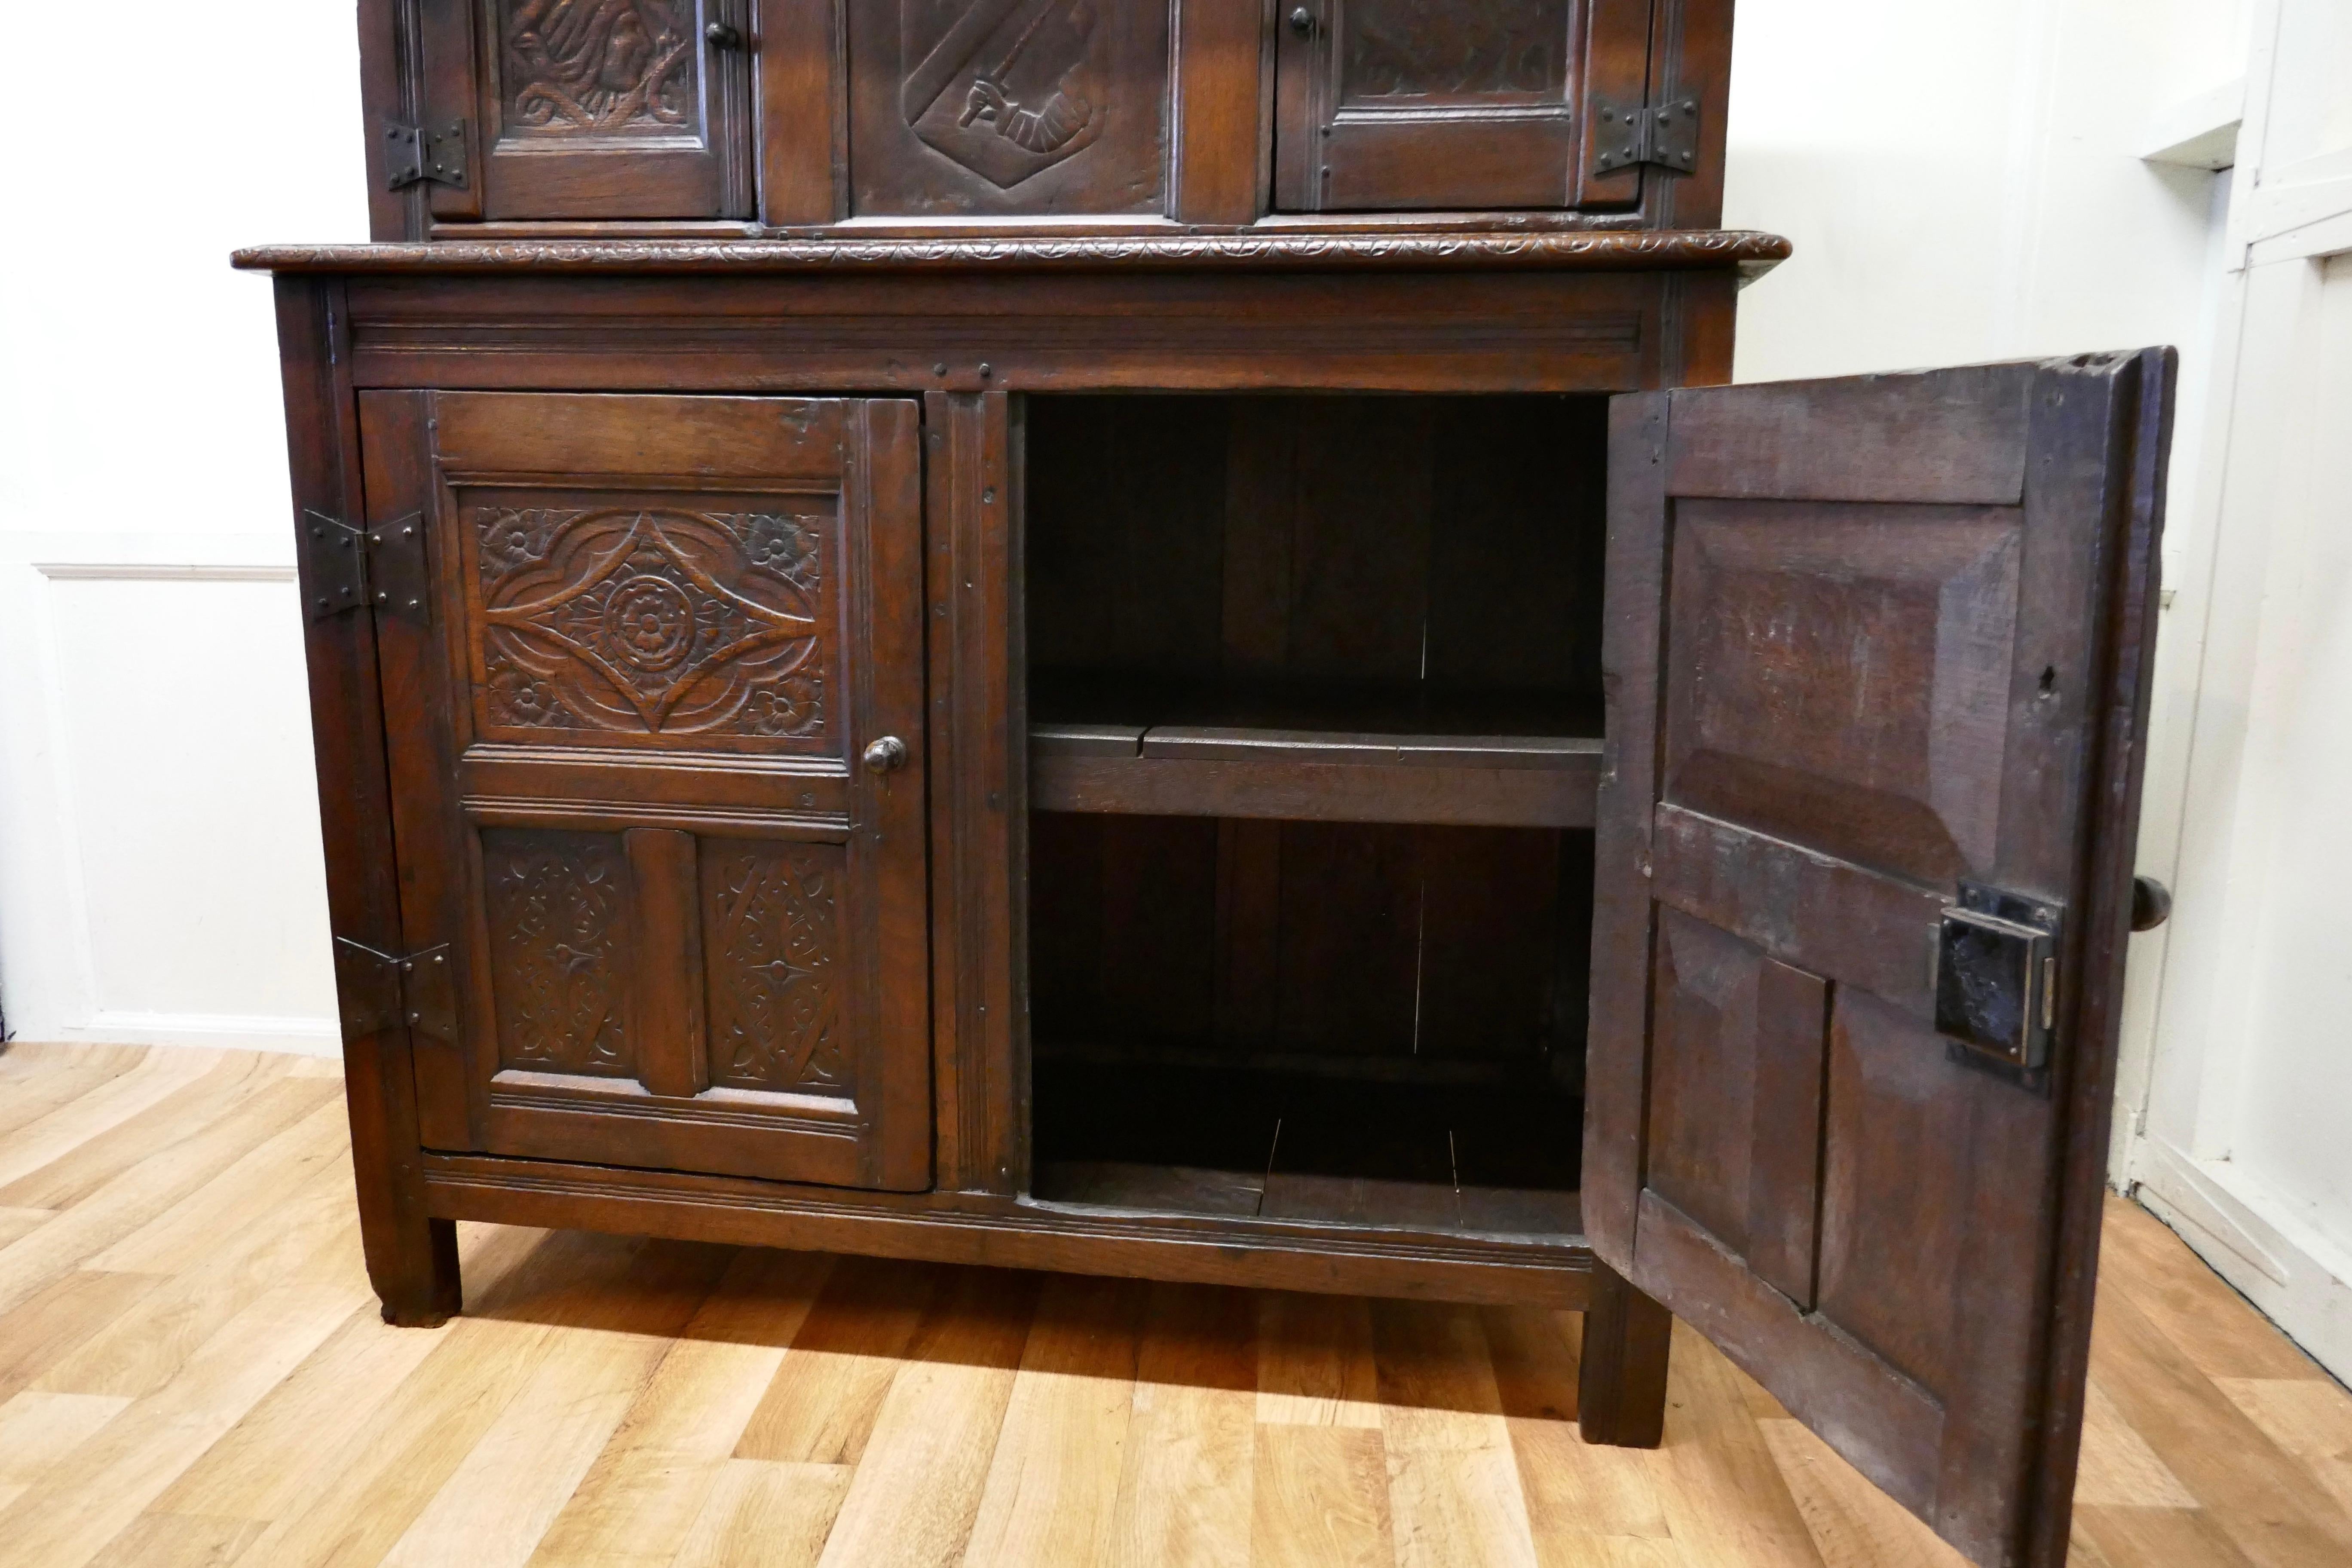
{"x":1009,"y":105}
{"x":1011,"y":86}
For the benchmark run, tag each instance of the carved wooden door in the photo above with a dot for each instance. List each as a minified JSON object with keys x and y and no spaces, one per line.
{"x":655,"y":704}
{"x":616,"y":108}
{"x":1877,"y":661}
{"x":1455,"y":103}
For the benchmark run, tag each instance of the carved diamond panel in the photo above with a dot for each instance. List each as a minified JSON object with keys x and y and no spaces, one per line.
{"x":560,"y":950}
{"x":771,"y":939}
{"x":599,"y":67}
{"x":651,"y":620}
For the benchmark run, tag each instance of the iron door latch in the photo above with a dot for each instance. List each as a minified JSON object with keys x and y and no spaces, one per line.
{"x":1666,"y":134}
{"x":381,"y":991}
{"x":413,"y":154}
{"x":346,"y":568}
{"x":1997,"y":981}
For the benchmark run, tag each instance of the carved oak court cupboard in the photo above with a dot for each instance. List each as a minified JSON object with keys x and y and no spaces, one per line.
{"x":1137,"y":637}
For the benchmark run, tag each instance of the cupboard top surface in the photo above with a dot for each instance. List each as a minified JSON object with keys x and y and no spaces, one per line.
{"x":1414,"y":250}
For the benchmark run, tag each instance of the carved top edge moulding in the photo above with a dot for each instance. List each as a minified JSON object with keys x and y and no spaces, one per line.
{"x":1615,"y":250}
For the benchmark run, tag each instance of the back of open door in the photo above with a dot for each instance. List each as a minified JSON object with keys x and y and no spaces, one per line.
{"x":1877,"y":663}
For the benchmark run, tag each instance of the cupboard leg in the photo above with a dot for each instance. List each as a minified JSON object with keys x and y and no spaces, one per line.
{"x":412,"y":1258}
{"x":418,"y":1282}
{"x":1621,"y":1392}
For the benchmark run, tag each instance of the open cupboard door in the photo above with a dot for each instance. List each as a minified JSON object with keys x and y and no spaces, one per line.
{"x":1877,"y":660}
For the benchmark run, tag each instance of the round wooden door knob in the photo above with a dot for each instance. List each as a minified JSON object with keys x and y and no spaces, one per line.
{"x":2151,"y":903}
{"x":886,"y":754}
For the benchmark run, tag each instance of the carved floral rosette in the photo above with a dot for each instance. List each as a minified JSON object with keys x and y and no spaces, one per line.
{"x":660,"y":621}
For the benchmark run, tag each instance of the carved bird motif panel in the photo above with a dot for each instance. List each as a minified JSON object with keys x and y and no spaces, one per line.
{"x":685,"y":620}
{"x":599,"y":67}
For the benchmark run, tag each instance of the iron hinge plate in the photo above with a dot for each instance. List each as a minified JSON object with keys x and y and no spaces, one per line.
{"x":346,"y":568}
{"x":414,"y":153}
{"x":1666,"y":134}
{"x":381,"y":991}
{"x":1997,"y":981}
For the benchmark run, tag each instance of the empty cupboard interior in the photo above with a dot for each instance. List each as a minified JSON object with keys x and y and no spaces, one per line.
{"x":1314,"y":707}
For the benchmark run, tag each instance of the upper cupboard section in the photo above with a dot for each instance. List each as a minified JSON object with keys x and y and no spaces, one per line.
{"x":797,"y":114}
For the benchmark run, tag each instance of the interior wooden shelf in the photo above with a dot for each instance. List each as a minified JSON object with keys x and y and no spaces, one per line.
{"x":1243,"y":1141}
{"x":1359,"y":1201}
{"x":1316,"y":776}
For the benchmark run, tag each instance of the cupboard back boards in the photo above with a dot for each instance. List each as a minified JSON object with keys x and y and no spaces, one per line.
{"x":1123,"y":638}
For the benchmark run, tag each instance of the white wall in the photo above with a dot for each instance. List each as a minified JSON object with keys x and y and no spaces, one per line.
{"x":2235,"y":1097}
{"x":1963,"y":182}
{"x":159,"y":843}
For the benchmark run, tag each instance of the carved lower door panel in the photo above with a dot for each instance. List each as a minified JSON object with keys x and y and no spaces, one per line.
{"x":656,"y":733}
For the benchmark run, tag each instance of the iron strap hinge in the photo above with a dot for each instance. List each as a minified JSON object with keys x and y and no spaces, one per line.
{"x":1666,"y":134}
{"x":434,"y":153}
{"x":381,"y":991}
{"x":346,"y":568}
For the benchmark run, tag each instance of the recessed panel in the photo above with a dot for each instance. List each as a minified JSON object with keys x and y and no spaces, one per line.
{"x":1896,"y":1185}
{"x":571,"y":70}
{"x":1008,"y":106}
{"x":562,"y":950}
{"x":1418,"y":53}
{"x":1839,"y":676}
{"x":686,"y":621}
{"x":771,"y":952}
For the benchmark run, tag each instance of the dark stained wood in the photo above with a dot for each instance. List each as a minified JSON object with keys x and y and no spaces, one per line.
{"x":627,"y":109}
{"x":804,"y":113}
{"x":1621,"y":1389}
{"x":1690,"y":56}
{"x":670,"y":592}
{"x":1002,"y":108}
{"x":1222,"y":83}
{"x":1429,"y":103}
{"x":1409,"y":246}
{"x":1006,"y":1233}
{"x":412,"y":1255}
{"x":1884,"y":666}
{"x":1286,"y":981}
{"x":2125,"y":683}
{"x":979,"y":814}
{"x":670,"y":1026}
{"x":1538,"y":787}
{"x":1556,"y":332}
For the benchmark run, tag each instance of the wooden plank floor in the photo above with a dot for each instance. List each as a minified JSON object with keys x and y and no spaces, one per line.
{"x":192,"y":1371}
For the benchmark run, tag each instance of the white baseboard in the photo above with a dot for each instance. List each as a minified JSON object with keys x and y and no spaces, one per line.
{"x":2301,"y":1278}
{"x":295,"y":1036}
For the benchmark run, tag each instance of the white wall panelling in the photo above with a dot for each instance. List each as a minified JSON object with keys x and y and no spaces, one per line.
{"x":2235,"y":1098}
{"x":159,"y":838}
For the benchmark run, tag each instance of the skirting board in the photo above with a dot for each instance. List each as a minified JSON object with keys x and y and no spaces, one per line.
{"x":2301,"y":1280}
{"x":293,"y":1035}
